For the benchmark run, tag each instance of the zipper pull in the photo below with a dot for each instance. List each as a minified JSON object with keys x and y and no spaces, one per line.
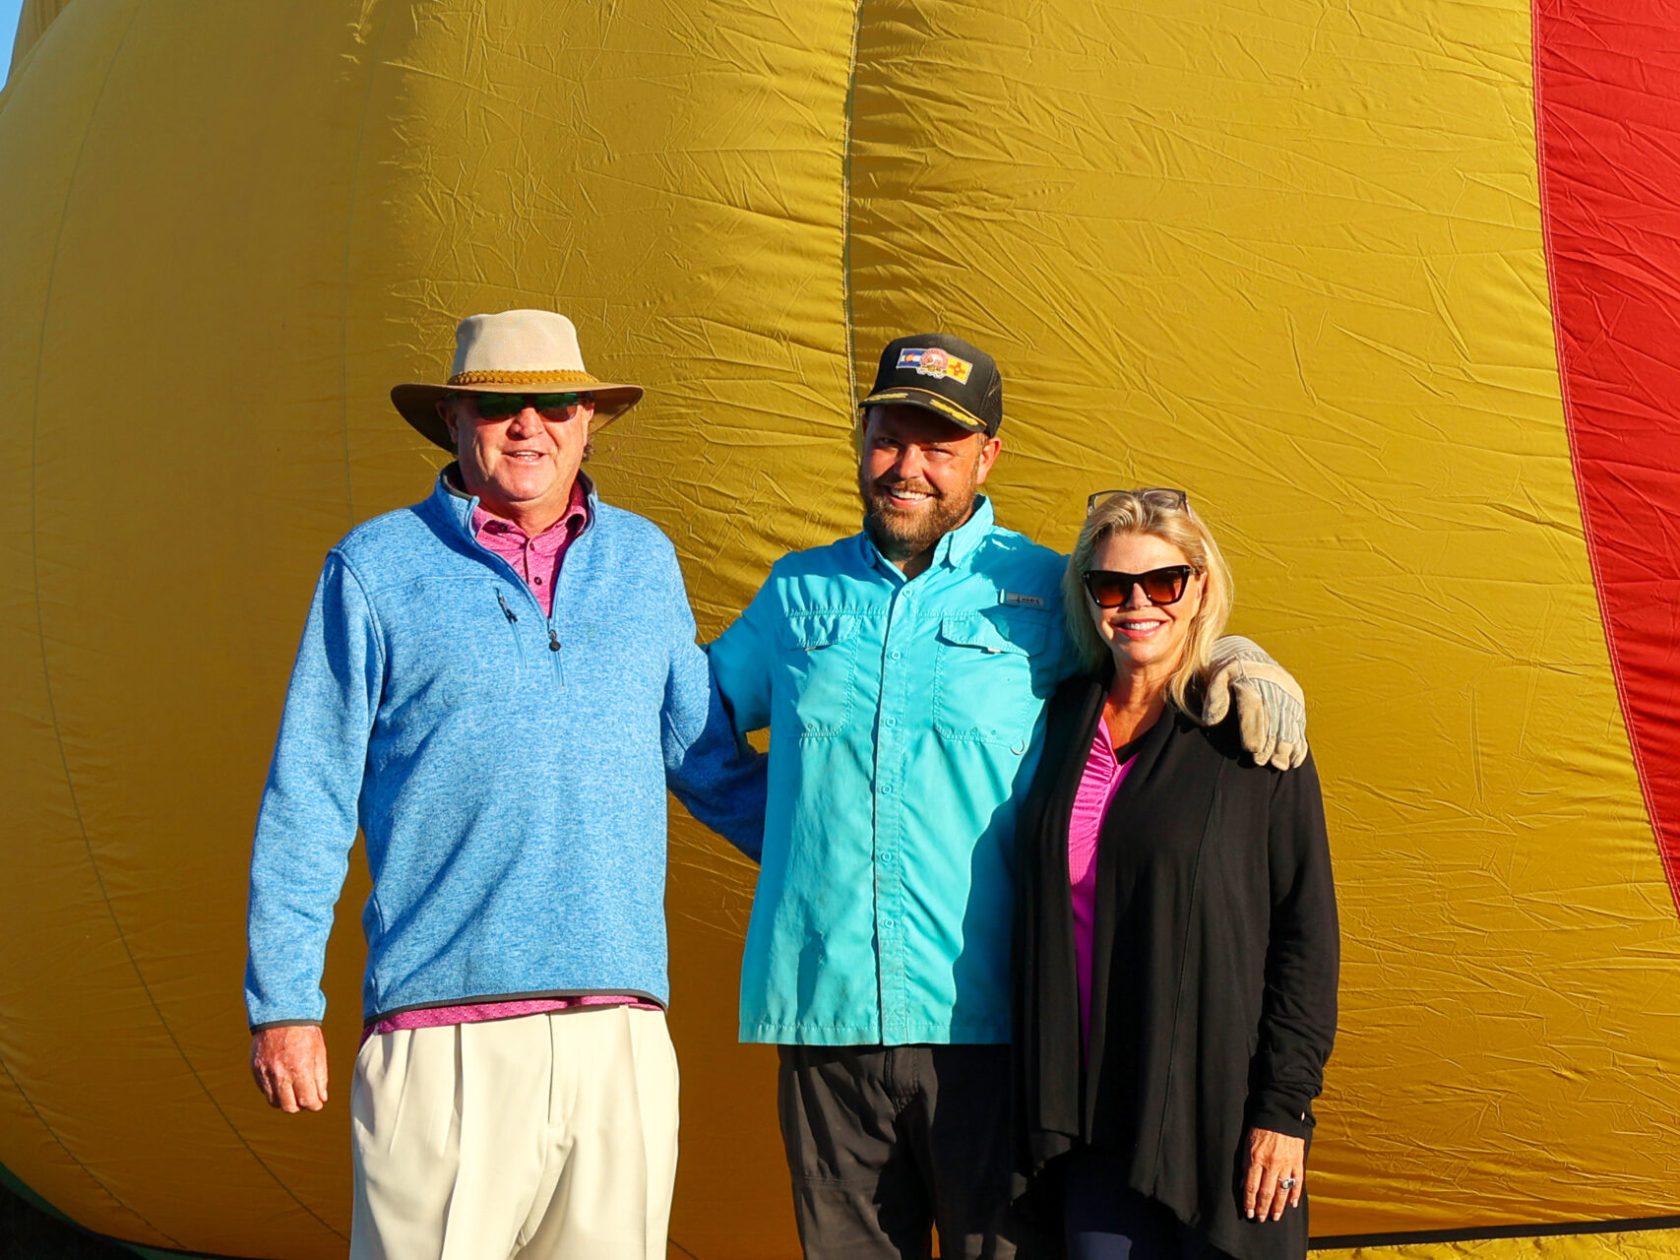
{"x":553,"y":640}
{"x":506,"y":611}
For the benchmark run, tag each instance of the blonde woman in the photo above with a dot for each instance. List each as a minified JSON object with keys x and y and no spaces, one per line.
{"x":1176,"y":939}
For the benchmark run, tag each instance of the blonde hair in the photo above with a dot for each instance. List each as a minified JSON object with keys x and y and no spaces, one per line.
{"x":1164,"y":514}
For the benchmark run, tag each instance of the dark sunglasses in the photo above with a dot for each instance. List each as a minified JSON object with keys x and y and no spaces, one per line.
{"x":1154,"y":496}
{"x":1111,"y":589}
{"x":501,"y":406}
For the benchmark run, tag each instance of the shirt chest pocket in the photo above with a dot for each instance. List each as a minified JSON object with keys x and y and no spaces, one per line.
{"x":986,"y":681}
{"x":820,"y":659}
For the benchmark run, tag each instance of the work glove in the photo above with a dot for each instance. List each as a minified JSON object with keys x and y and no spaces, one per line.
{"x":1271,"y":709}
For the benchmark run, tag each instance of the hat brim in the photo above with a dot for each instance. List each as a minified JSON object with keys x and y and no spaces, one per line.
{"x":418,"y":404}
{"x":927,"y":400}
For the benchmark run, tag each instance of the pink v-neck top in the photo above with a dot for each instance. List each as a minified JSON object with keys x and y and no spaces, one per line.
{"x":1101,"y":779}
{"x":536,"y":560}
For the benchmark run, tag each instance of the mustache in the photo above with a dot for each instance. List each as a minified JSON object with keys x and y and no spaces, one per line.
{"x":883,"y":484}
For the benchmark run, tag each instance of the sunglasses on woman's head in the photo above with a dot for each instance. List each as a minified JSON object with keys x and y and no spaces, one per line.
{"x":1154,"y":496}
{"x":1109,"y":588}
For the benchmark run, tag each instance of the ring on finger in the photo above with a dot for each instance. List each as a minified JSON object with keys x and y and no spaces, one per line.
{"x":1288,"y":1183}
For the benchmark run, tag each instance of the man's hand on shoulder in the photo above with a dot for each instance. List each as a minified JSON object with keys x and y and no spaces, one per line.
{"x":1271,"y":708}
{"x":290,"y":1066}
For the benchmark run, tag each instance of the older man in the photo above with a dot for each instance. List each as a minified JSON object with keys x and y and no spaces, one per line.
{"x":496,"y":685}
{"x":903,"y":673}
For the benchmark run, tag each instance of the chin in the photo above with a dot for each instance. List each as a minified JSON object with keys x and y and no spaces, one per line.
{"x":900,"y":527}
{"x":1127,"y":657}
{"x":520,"y":489}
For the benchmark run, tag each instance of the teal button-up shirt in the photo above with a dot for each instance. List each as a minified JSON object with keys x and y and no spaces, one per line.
{"x":905,"y":719}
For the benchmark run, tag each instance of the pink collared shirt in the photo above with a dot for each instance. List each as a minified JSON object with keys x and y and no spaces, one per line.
{"x":1097,"y":786}
{"x":537,"y":560}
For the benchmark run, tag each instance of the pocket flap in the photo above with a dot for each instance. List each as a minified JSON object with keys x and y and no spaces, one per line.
{"x":809,"y":631}
{"x":1024,"y":635}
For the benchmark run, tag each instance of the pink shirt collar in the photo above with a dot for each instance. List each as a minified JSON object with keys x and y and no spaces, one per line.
{"x":573,"y":519}
{"x":536,"y":560}
{"x":552,"y":539}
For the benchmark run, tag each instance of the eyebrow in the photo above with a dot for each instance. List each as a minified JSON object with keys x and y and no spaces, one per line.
{"x":943,"y":444}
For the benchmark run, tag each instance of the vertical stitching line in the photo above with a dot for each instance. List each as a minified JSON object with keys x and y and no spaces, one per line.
{"x":371,"y":62}
{"x":846,"y":207}
{"x":46,"y":670}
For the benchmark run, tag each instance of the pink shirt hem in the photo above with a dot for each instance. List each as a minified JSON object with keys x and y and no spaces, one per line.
{"x":484,"y":1012}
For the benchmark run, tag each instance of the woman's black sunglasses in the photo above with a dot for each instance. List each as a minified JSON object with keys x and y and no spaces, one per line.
{"x":1111,"y":589}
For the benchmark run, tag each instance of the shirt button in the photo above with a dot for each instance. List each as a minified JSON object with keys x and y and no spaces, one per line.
{"x":538,"y":581}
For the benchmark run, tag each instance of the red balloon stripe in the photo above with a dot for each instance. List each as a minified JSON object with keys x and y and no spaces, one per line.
{"x":1607,"y":104}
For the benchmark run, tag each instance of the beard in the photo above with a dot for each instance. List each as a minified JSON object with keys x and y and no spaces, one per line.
{"x":900,"y":532}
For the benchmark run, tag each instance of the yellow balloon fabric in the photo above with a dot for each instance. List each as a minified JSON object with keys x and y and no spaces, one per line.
{"x":1286,"y":254}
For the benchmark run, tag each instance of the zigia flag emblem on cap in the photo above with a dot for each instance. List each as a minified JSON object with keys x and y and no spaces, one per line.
{"x":934,"y":362}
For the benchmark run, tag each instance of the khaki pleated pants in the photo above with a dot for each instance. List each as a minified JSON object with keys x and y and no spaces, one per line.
{"x":551,"y":1136}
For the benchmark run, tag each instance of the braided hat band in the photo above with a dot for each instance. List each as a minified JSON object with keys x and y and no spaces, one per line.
{"x":503,"y":376}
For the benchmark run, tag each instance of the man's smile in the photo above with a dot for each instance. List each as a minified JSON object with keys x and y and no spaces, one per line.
{"x":903,"y":496}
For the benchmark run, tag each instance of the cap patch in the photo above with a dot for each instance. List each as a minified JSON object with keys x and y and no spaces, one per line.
{"x":934,"y":362}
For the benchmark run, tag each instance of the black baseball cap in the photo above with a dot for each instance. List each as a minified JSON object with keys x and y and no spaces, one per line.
{"x":944,"y":375}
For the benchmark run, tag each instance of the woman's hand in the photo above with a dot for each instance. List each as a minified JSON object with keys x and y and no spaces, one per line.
{"x":1277,"y":1169}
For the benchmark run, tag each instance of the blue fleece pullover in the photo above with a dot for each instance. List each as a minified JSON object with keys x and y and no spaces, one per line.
{"x":507,"y":768}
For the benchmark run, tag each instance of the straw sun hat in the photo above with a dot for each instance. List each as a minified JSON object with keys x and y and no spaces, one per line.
{"x":514,"y":352}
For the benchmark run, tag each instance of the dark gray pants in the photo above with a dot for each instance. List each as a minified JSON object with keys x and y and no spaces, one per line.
{"x":887,"y":1144}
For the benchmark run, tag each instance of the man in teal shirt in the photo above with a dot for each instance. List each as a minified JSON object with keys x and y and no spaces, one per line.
{"x":903,"y":673}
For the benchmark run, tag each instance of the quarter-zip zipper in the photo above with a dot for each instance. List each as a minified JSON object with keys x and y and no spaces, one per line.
{"x":513,"y":618}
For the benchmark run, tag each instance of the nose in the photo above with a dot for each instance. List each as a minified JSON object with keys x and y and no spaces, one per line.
{"x":527,"y":422}
{"x":910,"y":464}
{"x":1135,"y":598}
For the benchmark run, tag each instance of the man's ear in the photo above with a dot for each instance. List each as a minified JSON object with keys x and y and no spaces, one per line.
{"x":989,"y":449}
{"x":860,"y":431}
{"x":447,"y":414}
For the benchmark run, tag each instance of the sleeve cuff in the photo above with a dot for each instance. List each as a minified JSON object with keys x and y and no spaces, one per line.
{"x":1280,"y":1117}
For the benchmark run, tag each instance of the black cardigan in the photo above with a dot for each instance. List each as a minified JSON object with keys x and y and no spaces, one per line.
{"x":1214,"y":955}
